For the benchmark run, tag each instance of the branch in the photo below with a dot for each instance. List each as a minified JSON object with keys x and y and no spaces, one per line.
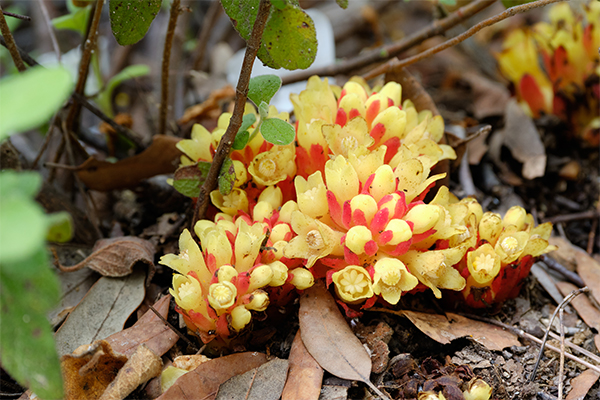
{"x":164,"y":82}
{"x":208,"y":24}
{"x":384,"y":53}
{"x":86,"y":55}
{"x":10,"y":43}
{"x":238,"y":111}
{"x":26,"y":57}
{"x":394,"y":63}
{"x":17,"y":16}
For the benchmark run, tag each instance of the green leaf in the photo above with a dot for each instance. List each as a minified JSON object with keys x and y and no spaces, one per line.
{"x":76,"y":20}
{"x":241,"y":139}
{"x":23,"y":225}
{"x":226,"y":177}
{"x":29,"y":99}
{"x":242,"y":14}
{"x":290,"y":38}
{"x":28,"y":290}
{"x":277,"y":131}
{"x":61,"y":227}
{"x":189,"y":187}
{"x":130,"y":72}
{"x":279,"y":4}
{"x":263,"y":88}
{"x":130,"y":19}
{"x":342,"y":3}
{"x":448,"y":2}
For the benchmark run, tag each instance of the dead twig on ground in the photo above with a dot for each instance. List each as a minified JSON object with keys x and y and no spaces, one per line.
{"x":88,"y":47}
{"x":208,"y":23}
{"x":561,"y":368}
{"x":558,"y":267}
{"x":395,"y":63}
{"x":574,"y":216}
{"x":166,"y":61}
{"x":181,"y":335}
{"x":238,"y":111}
{"x":384,"y":53}
{"x":10,"y":43}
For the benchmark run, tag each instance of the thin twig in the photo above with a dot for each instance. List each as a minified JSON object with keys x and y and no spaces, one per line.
{"x":238,"y":111}
{"x":561,"y":368}
{"x":164,"y":82}
{"x":46,"y":141}
{"x":181,"y":335}
{"x":10,"y":43}
{"x":18,"y":16}
{"x":592,"y":236}
{"x":50,"y":29}
{"x":578,"y":349}
{"x":384,"y":53}
{"x":396,"y":64}
{"x":558,"y":267}
{"x":26,"y":57}
{"x":88,"y":46}
{"x":562,"y":304}
{"x":120,"y":129}
{"x":574,"y":216}
{"x":208,"y":23}
{"x":522,"y":334}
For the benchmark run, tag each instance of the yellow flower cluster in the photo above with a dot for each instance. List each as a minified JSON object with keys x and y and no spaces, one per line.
{"x":566,"y":82}
{"x":344,"y":203}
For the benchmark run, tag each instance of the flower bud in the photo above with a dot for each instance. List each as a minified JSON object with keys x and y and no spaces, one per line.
{"x":510,"y":246}
{"x":393,"y":91}
{"x":515,"y":216}
{"x":285,"y":214}
{"x":366,"y":204}
{"x":357,"y":237}
{"x":423,"y":216}
{"x":226,"y":273}
{"x":353,"y":284}
{"x":247,"y":245}
{"x":240,"y":317}
{"x":259,"y":301}
{"x":202,"y":225}
{"x":262,"y":210}
{"x":478,"y":390}
{"x":241,"y":176}
{"x":280,"y":231}
{"x":272,"y":195}
{"x":383,"y":183}
{"x":490,"y":227}
{"x":312,"y":195}
{"x":302,"y":279}
{"x":400,"y":229}
{"x":187,"y":292}
{"x":273,"y":166}
{"x":260,"y":276}
{"x":280,"y":273}
{"x":230,"y":203}
{"x":341,"y":179}
{"x":221,"y":296}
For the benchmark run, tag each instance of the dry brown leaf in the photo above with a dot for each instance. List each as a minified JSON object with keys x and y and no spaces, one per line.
{"x":305,"y":377}
{"x":490,"y":97}
{"x":597,"y":341}
{"x":89,"y":370}
{"x":582,"y":384}
{"x":161,"y":157}
{"x":213,"y":102}
{"x":204,"y":381}
{"x":583,"y":305}
{"x":102,"y":312}
{"x":142,"y":366}
{"x":565,"y":253}
{"x":329,"y":339}
{"x":149,"y":330}
{"x":444,"y":329}
{"x":589,"y":270}
{"x":522,"y":138}
{"x":263,"y":383}
{"x":116,"y":257}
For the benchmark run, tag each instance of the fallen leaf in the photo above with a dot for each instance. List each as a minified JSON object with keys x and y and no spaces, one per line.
{"x":204,"y":381}
{"x":522,"y":138}
{"x":149,"y":330}
{"x":161,"y":157}
{"x":583,"y":305}
{"x":589,"y":270}
{"x":597,"y":341}
{"x":546,"y":281}
{"x":263,"y":383}
{"x":490,"y":98}
{"x":565,"y":253}
{"x":213,"y":102}
{"x":116,"y":257}
{"x":305,"y":376}
{"x":329,"y":339}
{"x":446,"y":328}
{"x":102,"y":312}
{"x":582,"y":384}
{"x":89,"y":370}
{"x":142,"y":366}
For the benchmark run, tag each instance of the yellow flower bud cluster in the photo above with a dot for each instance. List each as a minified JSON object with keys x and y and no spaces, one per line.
{"x":344,"y":203}
{"x":568,"y":44}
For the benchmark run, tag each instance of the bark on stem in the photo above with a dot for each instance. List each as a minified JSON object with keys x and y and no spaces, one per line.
{"x":166,"y":61}
{"x":394,"y":63}
{"x":238,"y":111}
{"x":10,"y":43}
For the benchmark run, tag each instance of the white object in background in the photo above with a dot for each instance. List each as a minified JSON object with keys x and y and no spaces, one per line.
{"x":325,"y":56}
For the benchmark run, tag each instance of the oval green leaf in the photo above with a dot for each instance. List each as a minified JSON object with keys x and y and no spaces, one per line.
{"x":263,"y":88}
{"x":29,"y":99}
{"x":61,"y":227}
{"x":226,"y":177}
{"x":188,"y":187}
{"x":277,"y":131}
{"x":130,"y":19}
{"x":290,"y":38}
